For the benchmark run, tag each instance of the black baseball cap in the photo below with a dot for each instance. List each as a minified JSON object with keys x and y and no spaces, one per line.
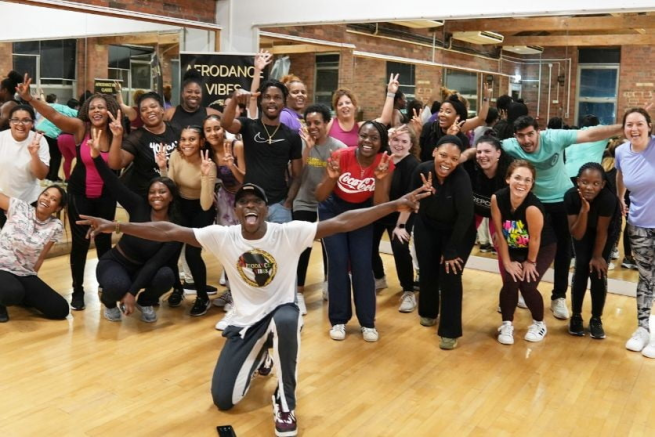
{"x":250,"y":188}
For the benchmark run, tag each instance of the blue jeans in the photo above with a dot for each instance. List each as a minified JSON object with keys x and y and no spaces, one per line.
{"x":349,"y":250}
{"x":278,"y":213}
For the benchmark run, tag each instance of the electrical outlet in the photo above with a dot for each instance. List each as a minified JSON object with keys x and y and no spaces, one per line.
{"x":555,"y":102}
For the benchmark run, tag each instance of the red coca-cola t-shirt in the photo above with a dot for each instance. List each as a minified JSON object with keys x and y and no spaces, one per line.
{"x":356,"y":184}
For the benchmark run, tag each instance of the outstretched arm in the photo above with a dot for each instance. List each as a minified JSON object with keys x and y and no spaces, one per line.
{"x":597,"y":133}
{"x":387,"y":109}
{"x":357,"y":218}
{"x":479,"y":119}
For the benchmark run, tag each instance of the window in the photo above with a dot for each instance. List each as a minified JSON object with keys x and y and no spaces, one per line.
{"x":597,"y":92}
{"x":131,"y":66}
{"x":50,"y":64}
{"x":466,"y":85}
{"x":406,"y":77}
{"x":327,"y":78}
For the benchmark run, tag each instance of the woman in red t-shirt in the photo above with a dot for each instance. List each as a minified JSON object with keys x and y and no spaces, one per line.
{"x":356,"y":177}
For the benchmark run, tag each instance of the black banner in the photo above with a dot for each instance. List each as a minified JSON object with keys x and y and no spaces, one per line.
{"x":104,"y":86}
{"x":222,"y":74}
{"x":155,"y":72}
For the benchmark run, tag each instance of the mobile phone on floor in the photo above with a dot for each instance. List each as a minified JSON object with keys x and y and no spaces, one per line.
{"x":225,"y":431}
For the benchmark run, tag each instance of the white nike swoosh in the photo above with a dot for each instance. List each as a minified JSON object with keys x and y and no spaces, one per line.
{"x":260,"y":139}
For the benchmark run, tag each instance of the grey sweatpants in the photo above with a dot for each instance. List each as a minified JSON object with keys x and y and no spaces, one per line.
{"x":242,"y":355}
{"x":642,"y":241}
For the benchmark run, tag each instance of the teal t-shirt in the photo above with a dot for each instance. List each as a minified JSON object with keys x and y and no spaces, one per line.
{"x":580,"y":154}
{"x":552,"y":181}
{"x":49,"y":129}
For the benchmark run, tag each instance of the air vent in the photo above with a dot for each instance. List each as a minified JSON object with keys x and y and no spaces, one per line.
{"x":524,"y":50}
{"x":482,"y":37}
{"x":419,"y":24}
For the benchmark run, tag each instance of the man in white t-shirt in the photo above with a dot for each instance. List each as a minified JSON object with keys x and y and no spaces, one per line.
{"x":261,"y":260}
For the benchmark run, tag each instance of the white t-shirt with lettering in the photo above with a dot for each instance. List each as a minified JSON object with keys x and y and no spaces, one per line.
{"x":16,"y":178}
{"x":262,"y":272}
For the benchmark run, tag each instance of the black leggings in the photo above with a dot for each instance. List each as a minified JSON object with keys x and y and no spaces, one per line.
{"x":401,"y":256}
{"x":195,"y":217}
{"x":103,"y":207}
{"x":116,"y":275}
{"x":31,"y":291}
{"x":583,"y":253}
{"x":55,"y":158}
{"x":303,"y":262}
{"x":556,"y":213}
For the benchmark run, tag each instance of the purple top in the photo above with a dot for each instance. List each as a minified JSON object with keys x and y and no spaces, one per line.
{"x":291,"y":119}
{"x":638,"y":169}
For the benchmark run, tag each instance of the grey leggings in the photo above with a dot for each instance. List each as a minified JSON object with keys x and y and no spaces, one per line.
{"x":643,"y":249}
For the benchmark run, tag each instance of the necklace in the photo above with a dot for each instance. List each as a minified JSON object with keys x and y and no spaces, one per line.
{"x":270,"y":136}
{"x":361,"y":169}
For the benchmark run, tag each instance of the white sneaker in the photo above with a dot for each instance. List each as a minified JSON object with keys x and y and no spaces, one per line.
{"x":381,"y":283}
{"x":338,"y":332}
{"x":301,"y":303}
{"x":228,"y":307}
{"x":115,"y":315}
{"x":521,"y":303}
{"x":223,"y":299}
{"x":639,"y":340}
{"x":649,"y":351}
{"x":559,"y":308}
{"x":370,"y":334}
{"x":225,"y":321}
{"x":536,"y":332}
{"x":407,"y":302}
{"x":506,"y":333}
{"x":325,"y":290}
{"x":615,"y":253}
{"x":223,"y":280}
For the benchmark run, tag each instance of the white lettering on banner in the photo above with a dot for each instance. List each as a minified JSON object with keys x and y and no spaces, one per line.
{"x":350,"y":184}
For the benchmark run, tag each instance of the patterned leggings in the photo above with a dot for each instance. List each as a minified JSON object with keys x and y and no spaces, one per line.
{"x":643,"y":249}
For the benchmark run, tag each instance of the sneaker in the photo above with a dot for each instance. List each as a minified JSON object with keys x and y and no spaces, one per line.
{"x":628,"y":263}
{"x":77,"y":301}
{"x":285,"y":422}
{"x":417,"y":286}
{"x":407,"y":302}
{"x":559,"y":308}
{"x":521,"y":303}
{"x":4,"y":315}
{"x":485,"y":248}
{"x":211,"y":290}
{"x":370,"y":334}
{"x":228,"y":307}
{"x":338,"y":332}
{"x":615,"y":253}
{"x":223,"y":299}
{"x":325,"y":291}
{"x":536,"y":332}
{"x":428,"y":321}
{"x":148,"y":313}
{"x":266,"y":366}
{"x":190,"y":288}
{"x":301,"y":303}
{"x":448,"y":344}
{"x":200,"y":307}
{"x":380,"y":283}
{"x":506,"y":333}
{"x":225,"y":321}
{"x":113,"y":314}
{"x":176,"y":297}
{"x":596,"y":328}
{"x":223,"y":280}
{"x":576,"y":326}
{"x":639,"y":340}
{"x":649,"y":351}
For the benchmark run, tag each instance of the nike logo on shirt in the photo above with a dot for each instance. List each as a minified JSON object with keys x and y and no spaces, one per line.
{"x":260,"y":139}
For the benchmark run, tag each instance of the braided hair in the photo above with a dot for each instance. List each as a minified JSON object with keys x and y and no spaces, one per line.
{"x":382,"y":130}
{"x":112,"y":107}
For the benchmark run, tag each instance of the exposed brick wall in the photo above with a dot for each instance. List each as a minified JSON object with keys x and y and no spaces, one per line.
{"x":636,"y":78}
{"x":6,"y":62}
{"x":196,"y":10}
{"x":92,"y":63}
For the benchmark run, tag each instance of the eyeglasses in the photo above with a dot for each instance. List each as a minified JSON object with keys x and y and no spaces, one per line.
{"x":23,"y":121}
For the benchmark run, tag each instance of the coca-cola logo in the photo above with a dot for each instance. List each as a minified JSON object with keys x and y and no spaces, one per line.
{"x":350,"y":184}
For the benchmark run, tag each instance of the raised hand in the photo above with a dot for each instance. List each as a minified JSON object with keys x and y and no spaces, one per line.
{"x":584,"y":204}
{"x":262,"y":59}
{"x":35,"y":145}
{"x":487,"y":91}
{"x":416,"y":122}
{"x":382,"y":170}
{"x":427,"y":183}
{"x":23,"y":89}
{"x":206,"y":163}
{"x":456,"y":127}
{"x":308,"y":139}
{"x":333,"y":168}
{"x":393,"y":85}
{"x":96,"y":225}
{"x":411,"y":202}
{"x":160,"y":158}
{"x":242,"y":96}
{"x":94,"y":142}
{"x":115,"y":126}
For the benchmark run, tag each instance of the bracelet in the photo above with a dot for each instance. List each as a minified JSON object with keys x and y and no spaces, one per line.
{"x":390,"y":94}
{"x":400,"y":225}
{"x":534,"y":263}
{"x":117,"y":230}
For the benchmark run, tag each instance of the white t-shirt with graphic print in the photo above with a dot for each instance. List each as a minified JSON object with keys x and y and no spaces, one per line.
{"x":23,"y":238}
{"x":262,"y":272}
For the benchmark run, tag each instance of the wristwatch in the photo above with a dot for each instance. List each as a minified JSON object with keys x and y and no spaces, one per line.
{"x":401,"y":225}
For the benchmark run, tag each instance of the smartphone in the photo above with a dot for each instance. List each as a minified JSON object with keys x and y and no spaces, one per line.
{"x":225,"y":431}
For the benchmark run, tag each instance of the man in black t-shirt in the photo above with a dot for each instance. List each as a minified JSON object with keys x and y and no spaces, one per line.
{"x":269,"y":146}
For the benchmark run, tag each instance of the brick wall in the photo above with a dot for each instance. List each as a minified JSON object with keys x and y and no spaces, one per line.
{"x":196,"y":10}
{"x":92,"y":63}
{"x":6,"y":62}
{"x":636,"y":78}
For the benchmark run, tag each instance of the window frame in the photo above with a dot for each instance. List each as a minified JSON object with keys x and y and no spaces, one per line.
{"x":613,"y":100}
{"x":318,"y":68}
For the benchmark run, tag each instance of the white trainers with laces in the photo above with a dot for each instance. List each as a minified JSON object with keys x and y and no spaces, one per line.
{"x":338,"y":332}
{"x":506,"y":333}
{"x":559,"y":308}
{"x":639,"y":340}
{"x":370,"y":334}
{"x":407,"y":302}
{"x":521,"y":303}
{"x":536,"y":332}
{"x":381,"y":283}
{"x":225,"y":321}
{"x":649,"y":351}
{"x":301,"y":303}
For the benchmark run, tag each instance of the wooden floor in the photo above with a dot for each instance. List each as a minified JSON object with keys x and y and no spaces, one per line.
{"x":90,"y":377}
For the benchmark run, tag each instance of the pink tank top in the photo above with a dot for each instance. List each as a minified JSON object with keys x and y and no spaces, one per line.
{"x":349,"y":138}
{"x":94,"y":182}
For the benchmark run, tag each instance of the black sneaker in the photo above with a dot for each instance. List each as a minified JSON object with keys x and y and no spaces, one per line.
{"x":176,"y":297}
{"x":485,"y":248}
{"x":576,"y":326}
{"x":285,"y":422}
{"x":200,"y":307}
{"x":4,"y":315}
{"x":77,"y":301}
{"x":596,"y":328}
{"x":628,"y":263}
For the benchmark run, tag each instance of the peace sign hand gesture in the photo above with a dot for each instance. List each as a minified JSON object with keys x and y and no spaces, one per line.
{"x":487,"y":91}
{"x":115,"y":125}
{"x":228,"y":157}
{"x":427,"y":183}
{"x":35,"y":145}
{"x":456,"y":127}
{"x":206,"y":163}
{"x":382,"y":170}
{"x":393,"y":85}
{"x":416,"y":122}
{"x":94,"y":142}
{"x":23,"y":89}
{"x":333,"y":168}
{"x":160,"y":158}
{"x":308,"y":139}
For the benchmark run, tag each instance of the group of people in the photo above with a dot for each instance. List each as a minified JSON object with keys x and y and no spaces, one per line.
{"x":275,"y":173}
